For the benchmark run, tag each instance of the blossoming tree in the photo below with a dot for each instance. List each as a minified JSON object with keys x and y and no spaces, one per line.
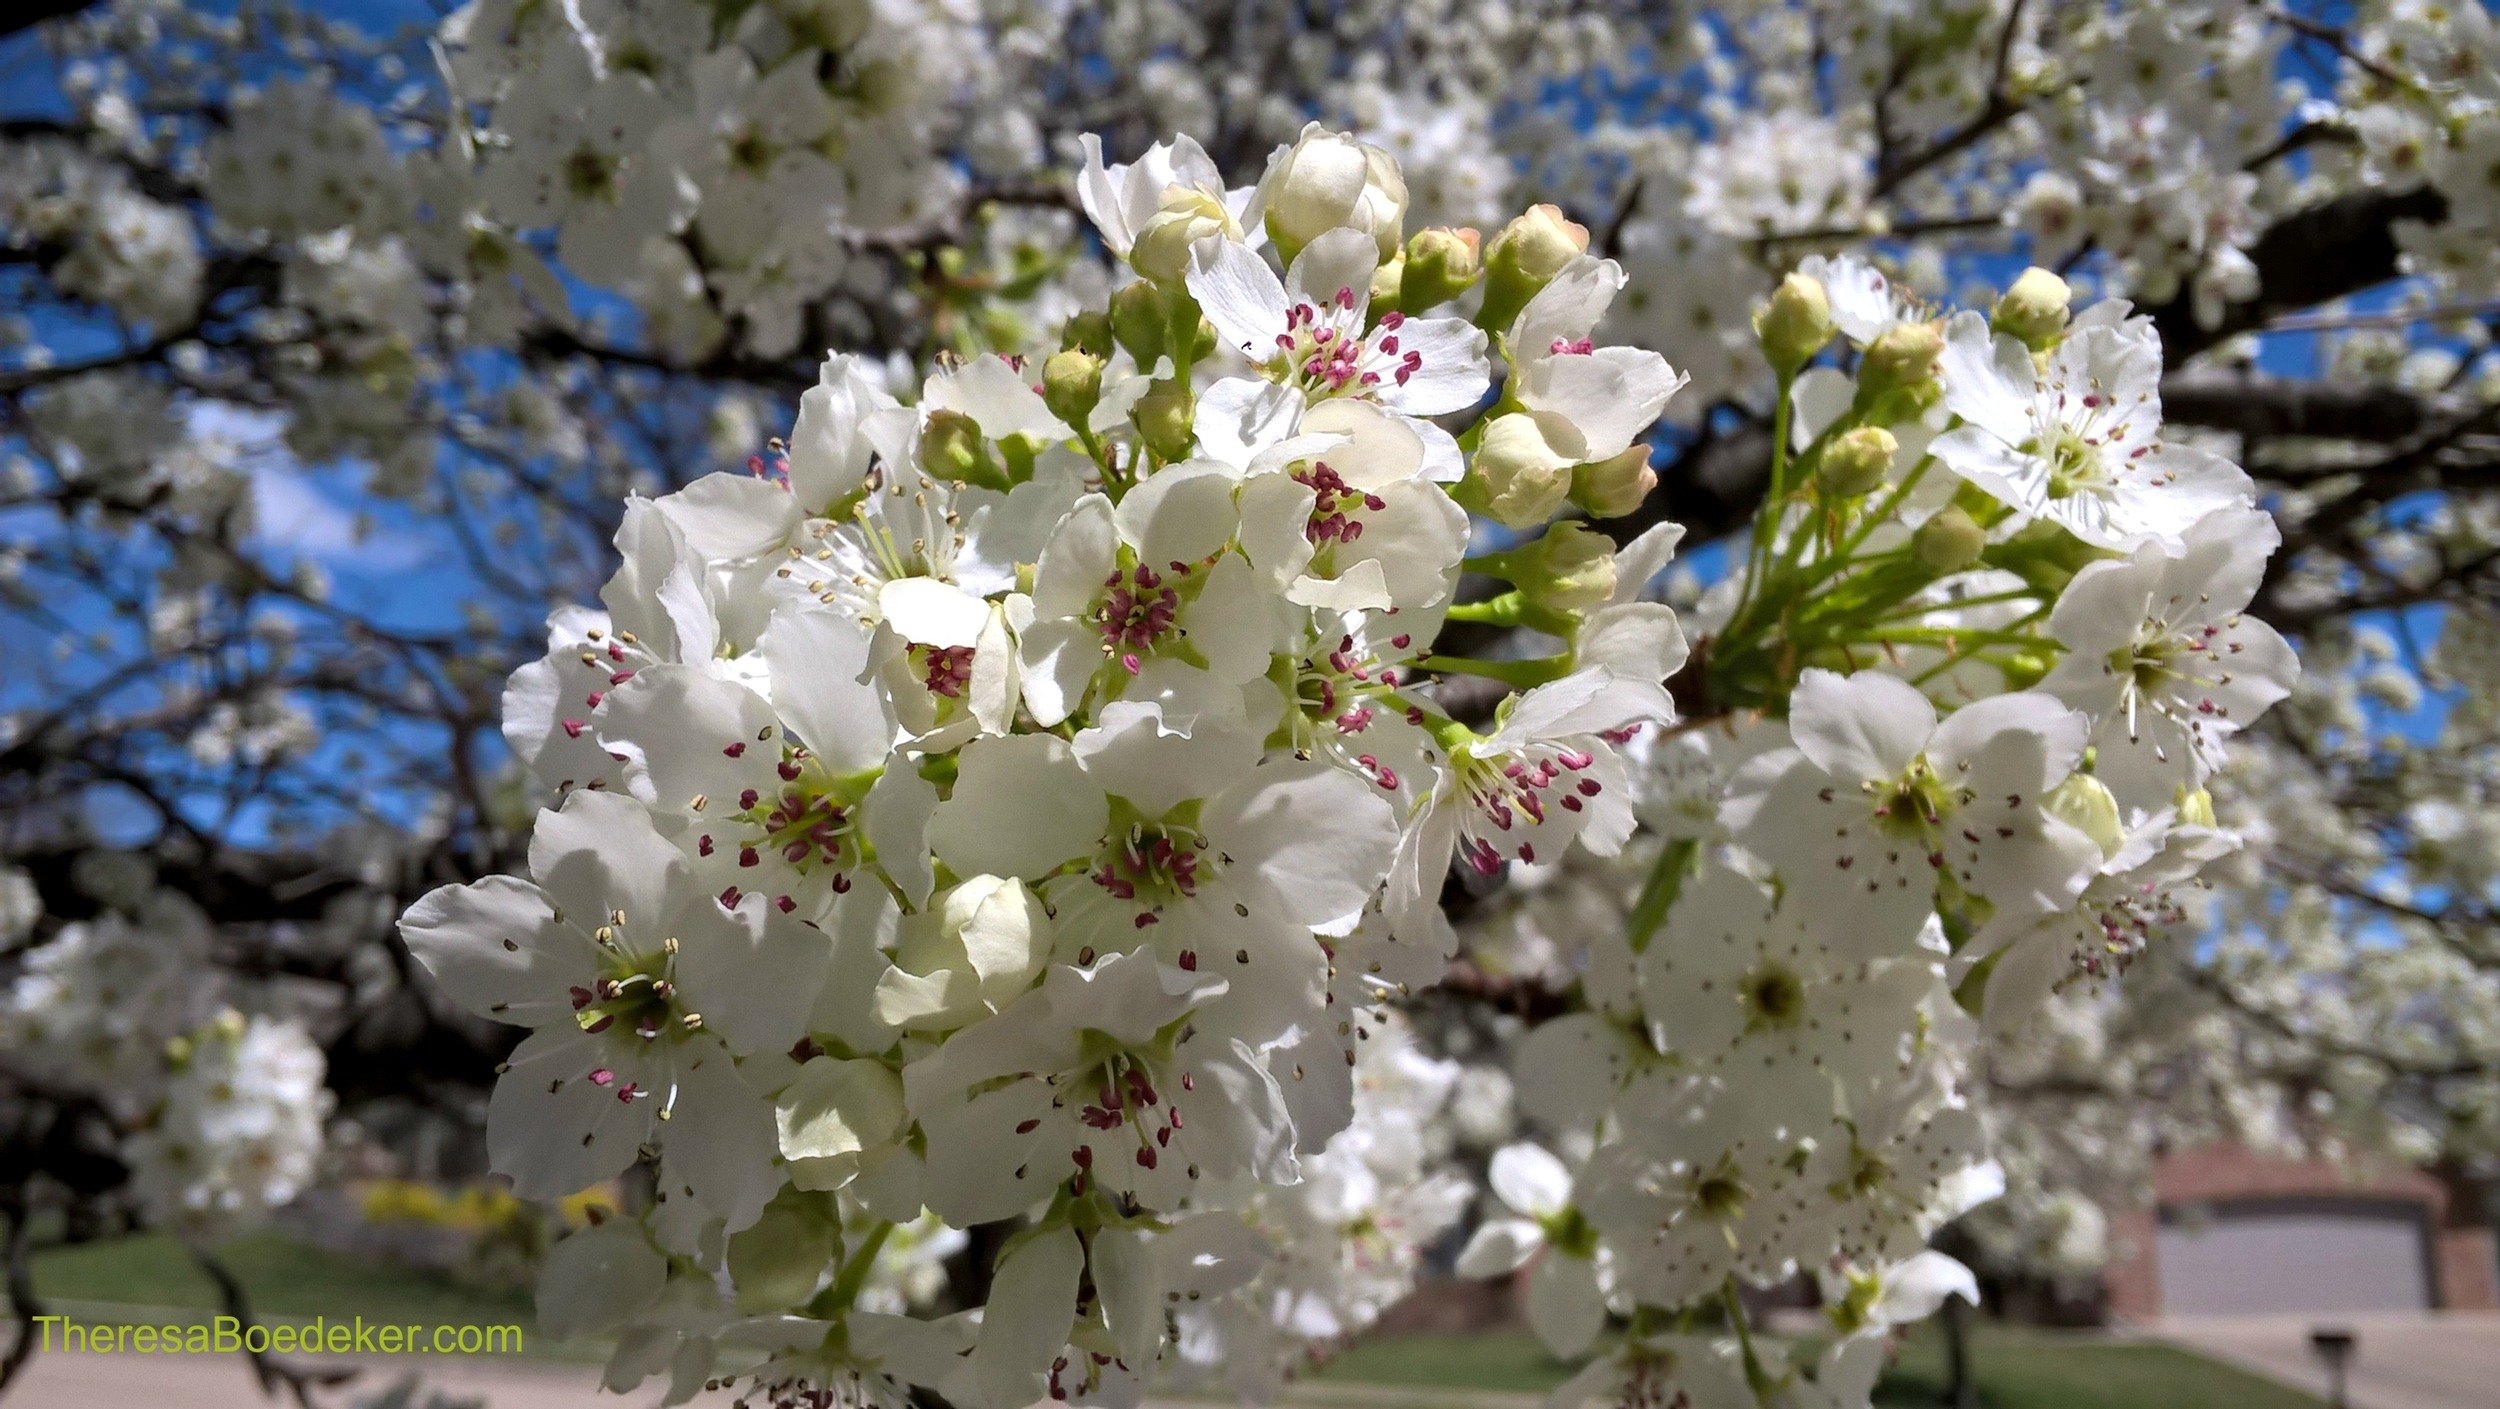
{"x":1088,"y":651}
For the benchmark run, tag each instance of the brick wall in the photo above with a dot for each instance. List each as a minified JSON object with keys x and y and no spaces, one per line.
{"x":2465,"y":1264}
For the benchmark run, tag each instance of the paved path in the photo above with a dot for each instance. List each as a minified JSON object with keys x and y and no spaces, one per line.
{"x":65,"y":1381}
{"x":2445,"y":1360}
{"x":124,"y":1381}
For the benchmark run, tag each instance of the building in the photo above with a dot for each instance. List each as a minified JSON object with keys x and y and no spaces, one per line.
{"x":2237,"y":1233}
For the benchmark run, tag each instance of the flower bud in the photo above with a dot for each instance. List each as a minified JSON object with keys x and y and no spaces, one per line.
{"x":1795,"y":324}
{"x":1901,"y":359}
{"x":1387,"y":278}
{"x":2085,"y":801}
{"x":2034,"y":309}
{"x":1520,"y":479}
{"x":951,"y":447}
{"x":1523,"y":259}
{"x":1855,"y":463}
{"x":1089,"y":331}
{"x":2196,"y":808}
{"x":1071,"y":384}
{"x":1165,"y":418}
{"x":777,"y":1261}
{"x":1327,"y":181}
{"x":1949,"y":542}
{"x":1611,"y":488}
{"x":1441,"y":264}
{"x":1188,"y":216}
{"x":1137,"y":319}
{"x":1569,"y":570}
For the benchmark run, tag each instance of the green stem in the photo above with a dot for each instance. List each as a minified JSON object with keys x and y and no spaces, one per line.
{"x":855,"y":1269}
{"x":1757,"y":1379}
{"x":1519,"y":674}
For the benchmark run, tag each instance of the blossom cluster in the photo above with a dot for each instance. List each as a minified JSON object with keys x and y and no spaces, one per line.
{"x":219,"y":1117}
{"x":1995,"y":624}
{"x":1017,"y":804}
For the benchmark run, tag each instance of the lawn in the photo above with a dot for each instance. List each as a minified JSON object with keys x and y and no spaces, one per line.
{"x":2016,"y":1368}
{"x":286,"y":1279}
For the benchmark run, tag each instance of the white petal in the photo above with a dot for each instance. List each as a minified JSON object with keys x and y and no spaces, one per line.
{"x":1860,"y":727}
{"x":599,"y":854}
{"x":1531,"y":1180}
{"x":726,"y":517}
{"x":599,"y":1279}
{"x":1239,"y":294}
{"x":1565,"y":1307}
{"x":816,"y":656}
{"x":495,"y":948}
{"x":1500,"y":1247}
{"x":1319,"y":837}
{"x":1032,"y":1303}
{"x":719,"y":1142}
{"x":1021,"y":807}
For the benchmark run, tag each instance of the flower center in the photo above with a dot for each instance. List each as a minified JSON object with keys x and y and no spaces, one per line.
{"x":590,"y":174}
{"x":1913,"y":805}
{"x":2074,"y":463}
{"x":1774,"y":997}
{"x":1507,"y":787}
{"x":808,"y":824}
{"x":1334,"y":504}
{"x":635,"y":994}
{"x":1720,"y":1192}
{"x":1151,"y":866}
{"x":1324,"y":351}
{"x":945,"y":670}
{"x":1140,"y":610}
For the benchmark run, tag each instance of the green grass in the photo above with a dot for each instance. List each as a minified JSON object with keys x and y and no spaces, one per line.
{"x":1487,"y":1362}
{"x":285,"y":1279}
{"x":2023,"y":1368}
{"x":2016,"y":1368}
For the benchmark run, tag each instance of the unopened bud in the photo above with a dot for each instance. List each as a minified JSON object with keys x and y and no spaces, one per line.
{"x":1518,"y":477}
{"x":1570,"y":569}
{"x":1387,"y":278}
{"x":1441,"y":264}
{"x":1165,"y":420}
{"x":1523,"y":259}
{"x":1795,"y":324}
{"x":2085,"y":802}
{"x":1611,"y":488}
{"x":1137,"y":319}
{"x":1327,"y":181}
{"x":1089,"y":331}
{"x":1949,"y":542}
{"x":2033,"y":311}
{"x":951,"y":447}
{"x":1188,"y":216}
{"x":2196,"y":808}
{"x":1071,"y":383}
{"x":1902,"y":358}
{"x":1856,"y":462}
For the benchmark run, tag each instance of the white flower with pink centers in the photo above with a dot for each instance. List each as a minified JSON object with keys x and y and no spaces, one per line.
{"x":2162,"y":656}
{"x":639,"y":989}
{"x":1606,"y":396}
{"x":1308,"y":330}
{"x":1876,"y":806}
{"x":1551,"y":773}
{"x":2077,"y":442}
{"x":1121,"y":1073}
{"x":1156,"y":599}
{"x":1144,"y":829}
{"x":785,"y":800}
